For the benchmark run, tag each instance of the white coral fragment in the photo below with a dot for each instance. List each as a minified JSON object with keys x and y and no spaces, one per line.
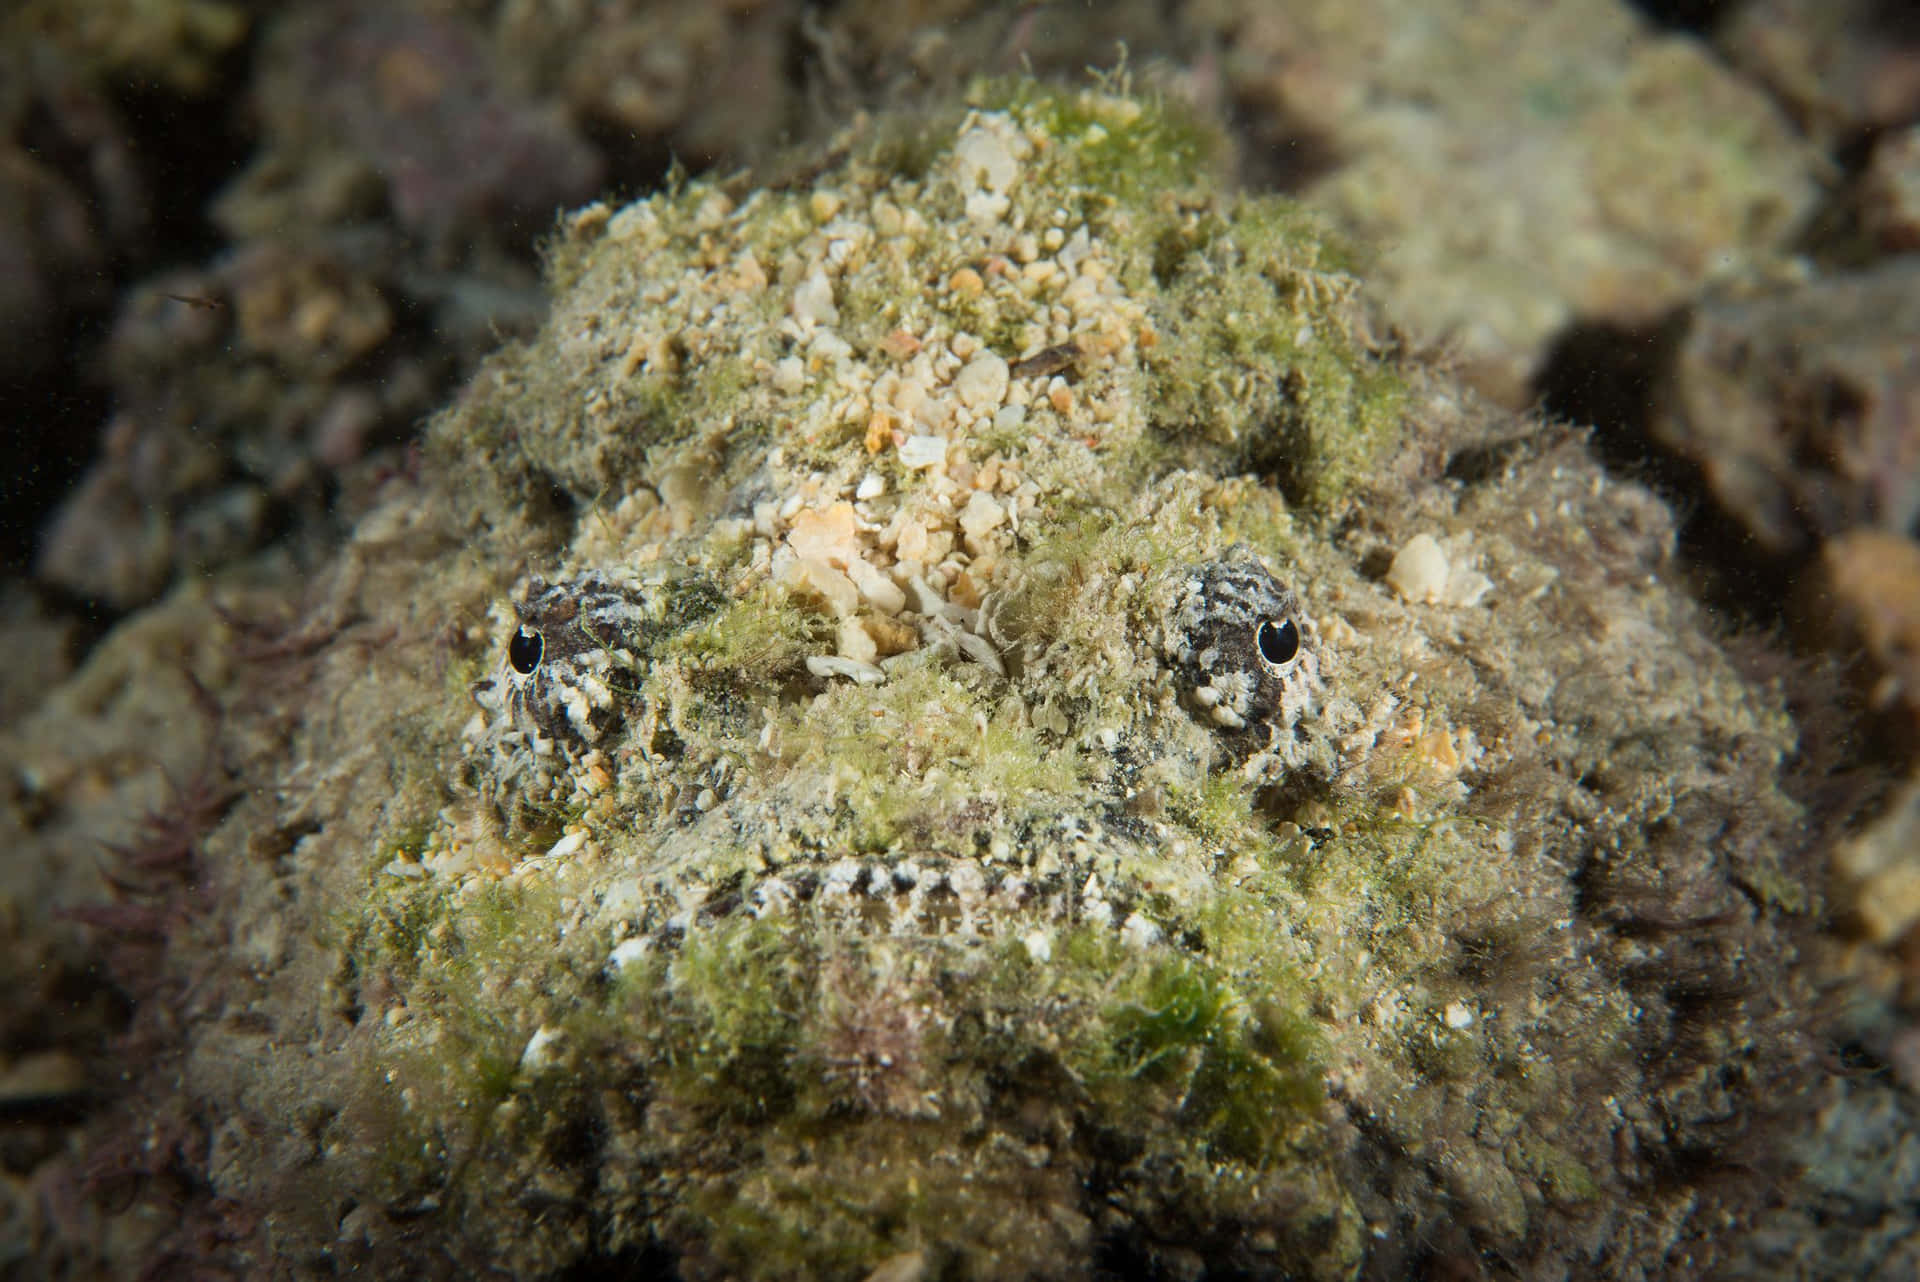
{"x":543,"y":1049}
{"x":920,"y":451}
{"x":813,"y":300}
{"x":833,"y":665}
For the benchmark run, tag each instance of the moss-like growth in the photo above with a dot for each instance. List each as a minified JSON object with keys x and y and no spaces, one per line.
{"x":1257,"y":354}
{"x":1117,"y":152}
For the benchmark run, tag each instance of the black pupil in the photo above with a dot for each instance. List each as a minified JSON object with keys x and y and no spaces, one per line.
{"x":524,"y":651}
{"x":1278,"y":643}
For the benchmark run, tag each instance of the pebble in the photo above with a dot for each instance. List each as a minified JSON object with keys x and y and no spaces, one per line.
{"x":542,"y":1050}
{"x":981,"y":514}
{"x":789,"y":375}
{"x":825,"y":534}
{"x":879,"y":591}
{"x":983,"y":159}
{"x":982,"y":384}
{"x":856,"y":643}
{"x":1419,"y":570}
{"x":813,"y":300}
{"x":833,"y":587}
{"x":833,"y":665}
{"x":1138,"y":933}
{"x":920,"y":451}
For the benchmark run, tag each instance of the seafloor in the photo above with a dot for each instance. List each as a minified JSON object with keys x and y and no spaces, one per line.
{"x":795,"y":642}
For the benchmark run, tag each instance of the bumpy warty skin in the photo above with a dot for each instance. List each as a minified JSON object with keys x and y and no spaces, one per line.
{"x":939,"y":810}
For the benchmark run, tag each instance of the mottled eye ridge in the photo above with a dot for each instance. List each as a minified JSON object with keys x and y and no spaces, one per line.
{"x":1245,"y":651}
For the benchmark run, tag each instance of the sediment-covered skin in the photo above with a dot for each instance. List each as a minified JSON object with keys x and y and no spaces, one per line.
{"x":958,"y":798}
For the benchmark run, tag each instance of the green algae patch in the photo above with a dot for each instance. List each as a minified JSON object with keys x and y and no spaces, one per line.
{"x":1245,"y":1076}
{"x":751,"y":641}
{"x":1259,"y":351}
{"x":926,"y":759}
{"x":1107,"y":145}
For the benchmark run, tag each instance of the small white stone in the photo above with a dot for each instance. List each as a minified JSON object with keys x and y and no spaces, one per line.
{"x":981,"y":651}
{"x":1138,"y":933}
{"x":981,"y":514}
{"x":928,"y":600}
{"x":1457,"y":1015}
{"x":567,"y":844}
{"x":811,"y":574}
{"x":983,"y":159}
{"x":1039,"y":945}
{"x":986,"y":208}
{"x":627,"y":952}
{"x":542,"y":1050}
{"x":789,"y":375}
{"x":983,"y":383}
{"x":856,"y":643}
{"x":813,"y":300}
{"x":923,"y":451}
{"x":1467,"y":588}
{"x":833,"y":665}
{"x":1419,"y":570}
{"x":872,"y":486}
{"x":881,"y":592}
{"x":828,"y":347}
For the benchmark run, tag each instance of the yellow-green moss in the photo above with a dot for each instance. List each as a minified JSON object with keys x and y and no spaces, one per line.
{"x":1257,"y":353}
{"x":1108,"y":148}
{"x":751,"y":641}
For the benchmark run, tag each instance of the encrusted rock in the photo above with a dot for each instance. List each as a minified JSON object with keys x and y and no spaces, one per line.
{"x":1799,"y":404}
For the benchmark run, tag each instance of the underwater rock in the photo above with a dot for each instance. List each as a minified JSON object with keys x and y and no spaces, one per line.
{"x":1799,"y":404}
{"x":1594,"y":170}
{"x":1844,"y":67}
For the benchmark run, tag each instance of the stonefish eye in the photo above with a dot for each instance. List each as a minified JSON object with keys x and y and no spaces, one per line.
{"x":524,"y":651}
{"x":1279,"y":643}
